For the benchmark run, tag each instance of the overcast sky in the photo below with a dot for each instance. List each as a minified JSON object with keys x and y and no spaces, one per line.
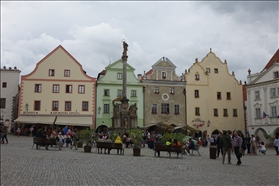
{"x":243,"y":33}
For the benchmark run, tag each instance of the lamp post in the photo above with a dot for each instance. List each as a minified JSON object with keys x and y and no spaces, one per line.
{"x":99,"y":110}
{"x":184,"y":92}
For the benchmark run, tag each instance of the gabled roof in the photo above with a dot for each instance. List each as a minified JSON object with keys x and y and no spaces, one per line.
{"x":274,"y":59}
{"x":164,"y":59}
{"x":120,"y":61}
{"x":52,"y":52}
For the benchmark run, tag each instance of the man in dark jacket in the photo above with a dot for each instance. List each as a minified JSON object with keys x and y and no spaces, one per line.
{"x":226,"y":144}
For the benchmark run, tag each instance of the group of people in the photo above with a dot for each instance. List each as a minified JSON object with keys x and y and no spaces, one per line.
{"x":65,"y":136}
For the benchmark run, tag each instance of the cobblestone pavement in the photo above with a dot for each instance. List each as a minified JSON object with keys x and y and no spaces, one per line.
{"x":22,"y":166}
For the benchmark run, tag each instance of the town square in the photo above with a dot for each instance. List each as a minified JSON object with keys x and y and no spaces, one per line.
{"x":22,"y":166}
{"x":139,"y":93}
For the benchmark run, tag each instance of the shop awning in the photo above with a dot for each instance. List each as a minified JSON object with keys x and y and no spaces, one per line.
{"x":35,"y":119}
{"x":74,"y":120}
{"x":188,"y":128}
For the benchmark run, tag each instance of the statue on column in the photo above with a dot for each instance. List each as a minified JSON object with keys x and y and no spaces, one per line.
{"x":133,"y":110}
{"x":116,"y":110}
{"x":126,"y":122}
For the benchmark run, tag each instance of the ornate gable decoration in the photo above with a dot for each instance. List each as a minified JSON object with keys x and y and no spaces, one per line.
{"x":164,"y":63}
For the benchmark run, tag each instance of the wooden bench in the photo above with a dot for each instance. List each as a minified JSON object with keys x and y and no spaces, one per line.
{"x":109,"y":146}
{"x":168,"y":148}
{"x":197,"y":147}
{"x":44,"y":142}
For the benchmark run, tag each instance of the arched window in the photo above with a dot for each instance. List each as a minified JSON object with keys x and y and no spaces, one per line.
{"x":197,"y":77}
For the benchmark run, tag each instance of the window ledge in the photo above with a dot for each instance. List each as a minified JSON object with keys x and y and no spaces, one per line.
{"x":234,"y":115}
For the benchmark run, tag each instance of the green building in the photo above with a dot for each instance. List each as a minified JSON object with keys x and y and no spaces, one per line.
{"x":109,"y":93}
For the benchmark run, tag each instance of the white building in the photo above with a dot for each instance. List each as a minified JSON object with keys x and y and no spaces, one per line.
{"x":263,"y":100}
{"x":9,"y":89}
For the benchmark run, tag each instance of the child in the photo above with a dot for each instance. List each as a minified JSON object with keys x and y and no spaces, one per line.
{"x":262,"y":148}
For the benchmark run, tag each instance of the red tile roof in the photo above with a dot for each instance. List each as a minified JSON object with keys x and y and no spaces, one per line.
{"x":274,"y":59}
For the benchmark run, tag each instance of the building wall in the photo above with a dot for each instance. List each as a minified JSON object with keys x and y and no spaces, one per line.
{"x":208,"y":84}
{"x":109,"y":81}
{"x":264,"y":83}
{"x":155,"y":78}
{"x":58,"y":60}
{"x":10,"y":76}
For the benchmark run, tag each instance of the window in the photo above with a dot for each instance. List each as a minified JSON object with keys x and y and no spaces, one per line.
{"x":66,"y":73}
{"x":215,"y":112}
{"x":51,"y":72}
{"x":2,"y":103}
{"x":119,"y":76}
{"x":4,"y":85}
{"x":106,"y":108}
{"x":68,"y":106}
{"x":219,"y":95}
{"x":133,"y":93}
{"x":119,"y":93}
{"x":156,"y":90}
{"x":197,"y":94}
{"x":216,"y":70}
{"x":208,"y":70}
{"x":55,"y":88}
{"x":273,"y":111}
{"x":176,"y":109}
{"x":37,"y":105}
{"x":258,"y":113}
{"x":55,"y":106}
{"x":68,"y":88}
{"x":234,"y":112}
{"x":197,"y":111}
{"x":276,"y":74}
{"x":81,"y":89}
{"x":164,"y":75}
{"x":106,"y":92}
{"x":228,"y":96}
{"x":165,"y":108}
{"x":272,"y":92}
{"x":171,"y":90}
{"x":225,"y":112}
{"x":38,"y":87}
{"x":85,"y":106}
{"x":154,"y":109}
{"x":257,"y":94}
{"x":197,"y":77}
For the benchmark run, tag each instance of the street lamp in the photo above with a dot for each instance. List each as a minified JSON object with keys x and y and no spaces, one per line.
{"x":99,"y":110}
{"x":26,"y":106}
{"x":208,"y":123}
{"x":184,"y":92}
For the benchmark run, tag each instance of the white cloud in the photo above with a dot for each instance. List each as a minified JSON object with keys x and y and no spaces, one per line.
{"x":243,"y":33}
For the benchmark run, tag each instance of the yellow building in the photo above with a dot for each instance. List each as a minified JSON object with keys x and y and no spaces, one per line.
{"x":57,"y":91}
{"x":214,"y":97}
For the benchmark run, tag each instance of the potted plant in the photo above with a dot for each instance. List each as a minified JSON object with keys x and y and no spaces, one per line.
{"x":136,"y":138}
{"x":178,"y":136}
{"x":267,"y":136}
{"x":86,"y":137}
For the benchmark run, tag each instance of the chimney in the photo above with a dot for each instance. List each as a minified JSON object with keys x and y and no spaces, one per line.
{"x":139,"y":76}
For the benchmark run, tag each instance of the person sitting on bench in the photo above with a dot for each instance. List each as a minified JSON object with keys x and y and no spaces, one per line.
{"x":189,"y":146}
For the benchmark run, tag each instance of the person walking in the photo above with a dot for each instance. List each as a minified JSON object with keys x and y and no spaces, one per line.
{"x":276,"y":145}
{"x":237,"y":141}
{"x":247,"y":141}
{"x":5,"y":132}
{"x":219,"y":145}
{"x":18,"y":132}
{"x":226,"y":144}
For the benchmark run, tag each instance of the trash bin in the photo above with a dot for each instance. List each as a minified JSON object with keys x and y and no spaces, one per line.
{"x":212,"y":152}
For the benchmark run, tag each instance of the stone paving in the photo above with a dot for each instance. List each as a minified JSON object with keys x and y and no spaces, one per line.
{"x":22,"y":166}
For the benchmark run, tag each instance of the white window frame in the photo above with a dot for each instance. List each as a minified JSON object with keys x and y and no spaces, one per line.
{"x":258,"y":113}
{"x":257,"y":95}
{"x":274,"y":111}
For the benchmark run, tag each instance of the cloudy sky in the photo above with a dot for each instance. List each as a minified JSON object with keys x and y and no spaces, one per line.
{"x":243,"y":33}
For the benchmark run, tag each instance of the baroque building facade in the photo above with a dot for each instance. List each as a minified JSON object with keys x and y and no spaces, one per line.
{"x":58,"y":91}
{"x":263,"y":100}
{"x":214,"y":97}
{"x":164,"y":95}
{"x":9,"y":93}
{"x":109,"y":94}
